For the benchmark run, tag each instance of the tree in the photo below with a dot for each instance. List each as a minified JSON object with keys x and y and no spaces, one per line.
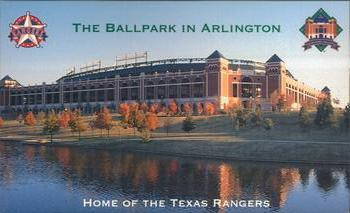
{"x":153,"y":108}
{"x":29,"y":119}
{"x":304,"y":118}
{"x":144,"y":107}
{"x":187,"y":108}
{"x":104,"y":120}
{"x":173,"y":109}
{"x":325,"y":114}
{"x":51,"y":125}
{"x":199,"y":108}
{"x":63,"y":119}
{"x":152,"y":121}
{"x":1,"y":122}
{"x":209,"y":108}
{"x":76,"y":124}
{"x":242,"y":117}
{"x":188,"y":124}
{"x":40,"y":117}
{"x":346,"y":115}
{"x":124,"y":111}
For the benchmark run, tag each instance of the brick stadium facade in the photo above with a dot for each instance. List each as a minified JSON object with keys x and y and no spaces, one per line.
{"x":213,"y":79}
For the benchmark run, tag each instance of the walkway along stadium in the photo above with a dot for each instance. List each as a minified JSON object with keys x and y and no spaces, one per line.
{"x":214,"y":79}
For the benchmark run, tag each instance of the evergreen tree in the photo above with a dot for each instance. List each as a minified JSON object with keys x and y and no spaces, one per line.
{"x":188,"y":124}
{"x":325,"y":114}
{"x":346,"y":115}
{"x":304,"y":118}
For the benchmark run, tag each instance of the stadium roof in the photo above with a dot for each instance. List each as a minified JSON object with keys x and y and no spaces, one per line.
{"x":216,"y":54}
{"x":274,"y":59}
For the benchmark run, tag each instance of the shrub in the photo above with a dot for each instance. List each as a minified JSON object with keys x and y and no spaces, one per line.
{"x":188,"y":124}
{"x":268,"y":124}
{"x":242,"y":117}
{"x":255,"y":118}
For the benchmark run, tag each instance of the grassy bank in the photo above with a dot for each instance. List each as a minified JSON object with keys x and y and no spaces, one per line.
{"x":214,"y":137}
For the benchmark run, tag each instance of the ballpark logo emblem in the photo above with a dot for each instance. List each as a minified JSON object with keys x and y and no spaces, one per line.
{"x":321,"y":30}
{"x":27,"y":31}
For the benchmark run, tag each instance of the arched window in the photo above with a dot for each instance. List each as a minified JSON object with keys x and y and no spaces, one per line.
{"x":185,"y":88}
{"x":149,"y":90}
{"x":247,"y":87}
{"x":173,"y":88}
{"x":198,"y":89}
{"x":161,"y":90}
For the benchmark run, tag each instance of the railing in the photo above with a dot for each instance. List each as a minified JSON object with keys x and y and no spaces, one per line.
{"x":155,"y":63}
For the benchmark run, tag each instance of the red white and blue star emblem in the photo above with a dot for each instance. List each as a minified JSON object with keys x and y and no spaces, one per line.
{"x":27,"y":31}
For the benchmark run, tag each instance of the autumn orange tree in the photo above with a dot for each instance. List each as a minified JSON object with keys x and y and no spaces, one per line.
{"x":173,"y":108}
{"x":209,"y":108}
{"x":29,"y":119}
{"x":187,"y":108}
{"x":1,"y":122}
{"x":124,"y":111}
{"x":63,"y":119}
{"x":104,"y":120}
{"x":199,"y":108}
{"x":153,"y":108}
{"x":76,"y":123}
{"x":152,"y":121}
{"x":144,"y":107}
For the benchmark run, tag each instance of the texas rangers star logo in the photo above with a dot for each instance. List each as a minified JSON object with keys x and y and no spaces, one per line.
{"x":27,"y":31}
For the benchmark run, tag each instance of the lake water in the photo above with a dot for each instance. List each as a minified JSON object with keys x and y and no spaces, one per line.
{"x":39,"y":179}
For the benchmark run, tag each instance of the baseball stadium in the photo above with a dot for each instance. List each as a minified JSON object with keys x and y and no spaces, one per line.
{"x":216,"y":79}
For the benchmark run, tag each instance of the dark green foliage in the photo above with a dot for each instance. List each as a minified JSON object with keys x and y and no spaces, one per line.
{"x":304,"y":118}
{"x":325,"y":114}
{"x":346,"y":118}
{"x":255,"y":118}
{"x":242,"y":116}
{"x":268,"y":124}
{"x":188,"y":124}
